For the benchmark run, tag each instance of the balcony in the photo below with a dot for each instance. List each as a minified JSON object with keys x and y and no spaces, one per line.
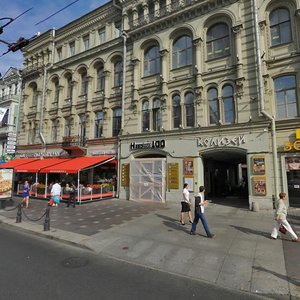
{"x":74,"y":140}
{"x":74,"y":145}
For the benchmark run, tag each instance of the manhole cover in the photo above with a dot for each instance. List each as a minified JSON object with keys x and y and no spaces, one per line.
{"x":75,"y":262}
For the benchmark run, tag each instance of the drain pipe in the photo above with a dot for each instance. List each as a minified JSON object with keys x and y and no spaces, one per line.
{"x":46,"y":68}
{"x":262,"y":98}
{"x":124,"y":36}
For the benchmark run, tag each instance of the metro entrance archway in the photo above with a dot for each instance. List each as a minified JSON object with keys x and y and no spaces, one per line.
{"x":225,"y":177}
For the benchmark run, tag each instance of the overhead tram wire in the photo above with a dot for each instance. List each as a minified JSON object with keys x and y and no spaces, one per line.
{"x":56,"y":12}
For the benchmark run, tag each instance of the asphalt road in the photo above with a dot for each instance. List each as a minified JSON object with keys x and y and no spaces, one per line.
{"x":37,"y":268}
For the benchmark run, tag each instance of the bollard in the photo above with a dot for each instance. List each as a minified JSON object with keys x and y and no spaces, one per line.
{"x":255,"y":206}
{"x":47,"y":220}
{"x":19,"y":214}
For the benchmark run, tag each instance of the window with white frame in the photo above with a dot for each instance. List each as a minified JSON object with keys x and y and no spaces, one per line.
{"x":117,"y":120}
{"x":101,"y":33}
{"x":118,"y":29}
{"x":99,"y":124}
{"x":182,"y":52}
{"x":156,"y":114}
{"x":217,"y":41}
{"x":145,"y":116}
{"x":286,"y":96}
{"x":118,"y":74}
{"x":228,"y":104}
{"x":213,"y":102}
{"x":176,"y":111}
{"x":86,"y":42}
{"x":152,"y":61}
{"x":189,"y":109}
{"x":280,"y":26}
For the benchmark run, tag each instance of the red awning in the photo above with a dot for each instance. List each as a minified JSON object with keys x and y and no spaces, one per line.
{"x":17,"y":162}
{"x":37,"y":165}
{"x":76,"y":164}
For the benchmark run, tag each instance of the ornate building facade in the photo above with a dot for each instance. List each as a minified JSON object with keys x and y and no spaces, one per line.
{"x":203,"y":92}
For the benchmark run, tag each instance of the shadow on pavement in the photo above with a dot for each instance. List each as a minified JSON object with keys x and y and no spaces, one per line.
{"x":283,"y":277}
{"x":251,"y":231}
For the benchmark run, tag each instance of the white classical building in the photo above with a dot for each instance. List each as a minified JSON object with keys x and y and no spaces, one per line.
{"x":203,"y":92}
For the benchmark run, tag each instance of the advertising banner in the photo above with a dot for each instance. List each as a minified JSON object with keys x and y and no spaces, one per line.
{"x":6,"y":183}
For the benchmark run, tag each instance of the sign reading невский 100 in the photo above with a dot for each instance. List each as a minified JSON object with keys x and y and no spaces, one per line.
{"x":148,"y":145}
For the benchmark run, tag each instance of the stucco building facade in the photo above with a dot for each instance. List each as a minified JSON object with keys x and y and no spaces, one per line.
{"x":204,"y":92}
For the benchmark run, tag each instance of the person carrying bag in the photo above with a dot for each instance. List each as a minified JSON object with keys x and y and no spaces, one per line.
{"x":282,"y":224}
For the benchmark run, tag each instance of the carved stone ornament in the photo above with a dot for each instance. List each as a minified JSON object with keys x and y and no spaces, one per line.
{"x":163,"y":52}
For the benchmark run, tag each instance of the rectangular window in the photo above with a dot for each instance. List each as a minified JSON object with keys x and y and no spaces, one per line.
{"x":59,"y":54}
{"x":99,"y":124}
{"x":72,"y":48}
{"x":86,"y":42}
{"x":54,"y":132}
{"x":101,"y":33}
{"x":117,"y":118}
{"x":118,"y":29}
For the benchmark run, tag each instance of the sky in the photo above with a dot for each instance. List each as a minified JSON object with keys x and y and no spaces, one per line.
{"x":25,"y":26}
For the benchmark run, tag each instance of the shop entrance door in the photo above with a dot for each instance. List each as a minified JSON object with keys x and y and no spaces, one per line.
{"x":148,"y":179}
{"x":293,"y":180}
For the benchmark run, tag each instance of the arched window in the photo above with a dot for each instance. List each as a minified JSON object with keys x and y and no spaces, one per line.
{"x":214,"y":115}
{"x":84,"y":83}
{"x":217,"y":41}
{"x":117,"y":120}
{"x":100,"y":78}
{"x":152,"y":61}
{"x":286,"y":96}
{"x":189,"y":109}
{"x":118,"y":73}
{"x":176,"y":111}
{"x":69,"y":87}
{"x":156,"y":115}
{"x":56,"y":91}
{"x":280,"y":26}
{"x":145,"y":116}
{"x":182,"y":52}
{"x":228,"y":102}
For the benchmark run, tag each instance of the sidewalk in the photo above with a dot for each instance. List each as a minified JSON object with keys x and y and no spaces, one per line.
{"x":241,"y":256}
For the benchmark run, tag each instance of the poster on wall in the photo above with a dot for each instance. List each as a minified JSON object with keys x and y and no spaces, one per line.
{"x":259,"y":165}
{"x":188,"y":166}
{"x":6,"y":183}
{"x":259,"y":185}
{"x":190,"y":182}
{"x":292,"y":163}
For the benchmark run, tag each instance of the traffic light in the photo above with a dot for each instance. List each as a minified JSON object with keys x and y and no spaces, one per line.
{"x":18,"y":45}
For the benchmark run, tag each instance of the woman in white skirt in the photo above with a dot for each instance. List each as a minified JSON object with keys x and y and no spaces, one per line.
{"x":280,"y":218}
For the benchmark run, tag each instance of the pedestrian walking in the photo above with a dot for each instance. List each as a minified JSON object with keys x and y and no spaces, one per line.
{"x":280,"y":218}
{"x":56,"y":193}
{"x":72,"y":194}
{"x":200,"y":203}
{"x":185,"y":204}
{"x":26,"y":194}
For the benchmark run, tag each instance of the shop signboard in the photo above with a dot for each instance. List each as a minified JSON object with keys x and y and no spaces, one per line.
{"x":6,"y":183}
{"x":125,"y":175}
{"x":173,"y":176}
